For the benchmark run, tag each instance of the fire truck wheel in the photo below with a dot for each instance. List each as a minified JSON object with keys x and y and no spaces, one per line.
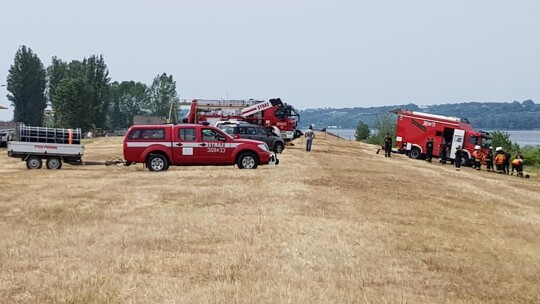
{"x":247,"y":160}
{"x":415,"y":153}
{"x":157,"y":162}
{"x":54,"y":163}
{"x":34,"y":162}
{"x":278,"y":147}
{"x":465,"y":160}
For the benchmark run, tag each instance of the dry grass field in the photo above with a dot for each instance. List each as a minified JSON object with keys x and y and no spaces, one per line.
{"x":338,"y":225}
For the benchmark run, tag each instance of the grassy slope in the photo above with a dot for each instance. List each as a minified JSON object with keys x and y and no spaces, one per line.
{"x":340,"y":224}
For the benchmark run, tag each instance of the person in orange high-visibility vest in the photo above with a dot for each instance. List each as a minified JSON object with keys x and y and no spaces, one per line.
{"x":499,"y":160}
{"x":517,"y":164}
{"x":478,"y":157}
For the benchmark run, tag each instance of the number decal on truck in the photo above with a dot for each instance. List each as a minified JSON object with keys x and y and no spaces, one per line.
{"x":215,"y":150}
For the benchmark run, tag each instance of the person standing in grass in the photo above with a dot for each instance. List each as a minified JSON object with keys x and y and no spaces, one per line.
{"x":500,"y":159}
{"x":457,"y":159}
{"x":309,"y":135}
{"x":387,"y":145}
{"x":429,"y":149}
{"x":507,"y":161}
{"x":489,"y":160}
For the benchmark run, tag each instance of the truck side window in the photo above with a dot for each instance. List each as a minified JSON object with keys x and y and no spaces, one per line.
{"x":473,"y":140}
{"x":187,"y":134}
{"x":135,"y":134}
{"x":209,"y":135}
{"x":279,"y":113}
{"x":153,"y":134}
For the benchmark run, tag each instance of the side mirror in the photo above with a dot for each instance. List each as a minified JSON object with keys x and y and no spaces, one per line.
{"x":221,"y":138}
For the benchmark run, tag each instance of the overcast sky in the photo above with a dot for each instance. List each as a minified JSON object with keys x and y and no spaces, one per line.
{"x":311,"y":53}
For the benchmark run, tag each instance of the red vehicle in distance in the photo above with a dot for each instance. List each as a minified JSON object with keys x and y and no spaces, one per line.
{"x":414,"y":128}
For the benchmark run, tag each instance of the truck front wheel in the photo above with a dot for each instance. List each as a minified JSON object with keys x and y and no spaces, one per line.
{"x":415,"y":153}
{"x":54,"y":163}
{"x":247,"y":160}
{"x":157,"y":162}
{"x":33,"y":162}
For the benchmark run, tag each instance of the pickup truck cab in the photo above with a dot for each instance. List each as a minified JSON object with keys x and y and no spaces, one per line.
{"x":160,"y":146}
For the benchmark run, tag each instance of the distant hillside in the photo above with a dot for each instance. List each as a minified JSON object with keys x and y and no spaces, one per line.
{"x":483,"y":115}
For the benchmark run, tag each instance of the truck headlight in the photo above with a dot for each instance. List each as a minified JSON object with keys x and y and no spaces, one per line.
{"x":264,"y":147}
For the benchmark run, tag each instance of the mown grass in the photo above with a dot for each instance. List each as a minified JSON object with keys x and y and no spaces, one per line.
{"x":341,"y":224}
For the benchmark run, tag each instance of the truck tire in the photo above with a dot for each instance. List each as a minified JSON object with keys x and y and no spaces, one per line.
{"x":465,"y":160}
{"x":247,"y":160}
{"x":157,"y":163}
{"x":278,"y":147}
{"x":415,"y":153}
{"x":54,"y":163}
{"x":33,"y":162}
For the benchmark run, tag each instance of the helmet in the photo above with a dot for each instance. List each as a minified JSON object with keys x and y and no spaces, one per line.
{"x":477,"y":147}
{"x":498,"y":149}
{"x":491,"y":148}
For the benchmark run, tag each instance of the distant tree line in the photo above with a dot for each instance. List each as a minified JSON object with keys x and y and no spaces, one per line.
{"x":80,"y":93}
{"x":483,"y":115}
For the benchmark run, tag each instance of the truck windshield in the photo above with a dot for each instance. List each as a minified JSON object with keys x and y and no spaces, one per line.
{"x":487,"y":142}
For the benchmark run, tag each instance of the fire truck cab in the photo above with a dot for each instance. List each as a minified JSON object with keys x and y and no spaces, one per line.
{"x":160,"y":146}
{"x":414,"y":128}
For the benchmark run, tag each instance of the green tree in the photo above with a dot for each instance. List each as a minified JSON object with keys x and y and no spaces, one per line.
{"x":362,"y":131}
{"x":90,"y":75}
{"x":128,"y":99}
{"x":73,"y":103}
{"x":97,"y":77}
{"x":55,"y":73}
{"x":26,"y":85}
{"x":162,"y":93}
{"x":502,"y":139}
{"x":385,"y":124}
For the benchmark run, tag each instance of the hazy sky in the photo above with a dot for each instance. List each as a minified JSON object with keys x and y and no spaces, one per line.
{"x":311,"y":53}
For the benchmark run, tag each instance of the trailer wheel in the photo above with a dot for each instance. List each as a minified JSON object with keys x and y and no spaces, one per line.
{"x":54,"y":163}
{"x":278,"y":147}
{"x":157,"y":162}
{"x":33,"y":162}
{"x":415,"y":153}
{"x":247,"y":160}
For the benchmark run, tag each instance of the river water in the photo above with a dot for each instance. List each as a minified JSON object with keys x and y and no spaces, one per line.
{"x":523,"y":138}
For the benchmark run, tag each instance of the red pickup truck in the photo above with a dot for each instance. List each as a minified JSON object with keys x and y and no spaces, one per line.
{"x":159,"y":146}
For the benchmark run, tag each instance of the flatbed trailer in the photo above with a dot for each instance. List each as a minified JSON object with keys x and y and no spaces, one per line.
{"x":34,"y":145}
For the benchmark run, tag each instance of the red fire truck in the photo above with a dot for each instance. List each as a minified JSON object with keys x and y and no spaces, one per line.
{"x":414,"y":128}
{"x":272,"y":114}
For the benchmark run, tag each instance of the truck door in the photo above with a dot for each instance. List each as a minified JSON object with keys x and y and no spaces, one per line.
{"x":457,"y":140}
{"x":184,"y":147}
{"x":212,"y":149}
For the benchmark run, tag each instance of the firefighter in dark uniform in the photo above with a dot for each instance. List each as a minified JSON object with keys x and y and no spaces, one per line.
{"x":507,"y":161}
{"x":429,"y":149}
{"x":489,"y":160}
{"x":457,"y":157}
{"x":387,"y":145}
